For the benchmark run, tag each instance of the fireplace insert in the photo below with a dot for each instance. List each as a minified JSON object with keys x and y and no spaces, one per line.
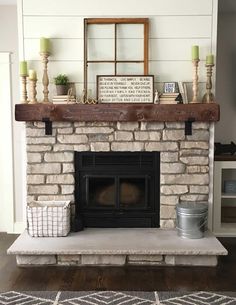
{"x":117,"y":189}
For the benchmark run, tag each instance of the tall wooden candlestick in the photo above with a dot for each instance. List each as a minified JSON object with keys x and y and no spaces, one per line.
{"x":195,"y":81}
{"x":45,"y":79}
{"x":33,"y":92}
{"x":24,"y":97}
{"x":209,"y":96}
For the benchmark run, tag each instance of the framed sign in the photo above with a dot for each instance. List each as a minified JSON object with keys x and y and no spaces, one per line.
{"x":171,"y":87}
{"x":125,"y":88}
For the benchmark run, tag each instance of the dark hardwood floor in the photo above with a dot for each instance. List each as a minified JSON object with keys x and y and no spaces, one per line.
{"x":220,"y":278}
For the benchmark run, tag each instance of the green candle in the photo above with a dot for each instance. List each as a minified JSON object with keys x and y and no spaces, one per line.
{"x":23,"y":68}
{"x":44,"y":45}
{"x":210,"y":59}
{"x":195,"y":52}
{"x":32,"y":75}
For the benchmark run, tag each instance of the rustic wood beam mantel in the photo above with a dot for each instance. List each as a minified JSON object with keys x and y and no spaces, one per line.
{"x":118,"y":112}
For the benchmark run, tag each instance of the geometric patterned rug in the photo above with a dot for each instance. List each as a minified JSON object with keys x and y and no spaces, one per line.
{"x":117,"y":298}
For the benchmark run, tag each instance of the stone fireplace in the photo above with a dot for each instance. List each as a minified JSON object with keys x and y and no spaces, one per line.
{"x":184,"y":159}
{"x":183,"y":164}
{"x":182,"y":134}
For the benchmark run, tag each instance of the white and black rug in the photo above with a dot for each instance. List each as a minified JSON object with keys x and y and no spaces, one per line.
{"x":117,"y":298}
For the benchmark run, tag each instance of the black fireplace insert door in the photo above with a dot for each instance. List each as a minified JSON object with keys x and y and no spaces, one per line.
{"x":117,"y":189}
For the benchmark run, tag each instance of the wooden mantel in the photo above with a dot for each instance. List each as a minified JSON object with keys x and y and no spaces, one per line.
{"x":118,"y":112}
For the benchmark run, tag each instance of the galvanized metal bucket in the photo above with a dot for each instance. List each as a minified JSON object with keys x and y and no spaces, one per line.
{"x":191,"y":219}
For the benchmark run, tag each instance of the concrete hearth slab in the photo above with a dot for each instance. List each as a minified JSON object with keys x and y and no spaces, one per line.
{"x":118,"y":241}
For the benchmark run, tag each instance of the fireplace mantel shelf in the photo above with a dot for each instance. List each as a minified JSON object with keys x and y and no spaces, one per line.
{"x":118,"y":112}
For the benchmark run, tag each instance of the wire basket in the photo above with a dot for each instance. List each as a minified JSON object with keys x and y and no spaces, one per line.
{"x":48,"y":218}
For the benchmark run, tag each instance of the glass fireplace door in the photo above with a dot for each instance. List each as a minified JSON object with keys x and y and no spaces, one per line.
{"x":117,"y":189}
{"x":133,"y":192}
{"x":117,"y":192}
{"x":100,"y":192}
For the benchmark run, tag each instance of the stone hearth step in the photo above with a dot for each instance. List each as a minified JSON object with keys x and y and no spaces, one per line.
{"x":117,"y":247}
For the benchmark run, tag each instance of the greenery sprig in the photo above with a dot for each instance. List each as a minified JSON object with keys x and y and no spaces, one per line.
{"x":61,"y":79}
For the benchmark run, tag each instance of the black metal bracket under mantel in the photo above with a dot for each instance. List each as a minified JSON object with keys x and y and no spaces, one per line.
{"x":188,"y":126}
{"x":48,"y":126}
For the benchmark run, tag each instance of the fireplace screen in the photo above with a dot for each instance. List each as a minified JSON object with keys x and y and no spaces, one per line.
{"x":117,"y":189}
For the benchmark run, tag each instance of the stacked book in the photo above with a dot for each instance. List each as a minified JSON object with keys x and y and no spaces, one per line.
{"x":170,"y":98}
{"x":63,"y":99}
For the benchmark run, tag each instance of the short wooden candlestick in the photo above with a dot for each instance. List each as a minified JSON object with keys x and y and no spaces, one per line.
{"x":209,"y":96}
{"x":33,"y":91}
{"x":45,"y":79}
{"x":24,"y":97}
{"x":195,"y":81}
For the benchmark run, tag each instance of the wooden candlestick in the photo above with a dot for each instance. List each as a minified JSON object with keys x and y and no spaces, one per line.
{"x":33,"y":91}
{"x":24,"y":97}
{"x":195,"y":81}
{"x":209,"y":96}
{"x":45,"y":79}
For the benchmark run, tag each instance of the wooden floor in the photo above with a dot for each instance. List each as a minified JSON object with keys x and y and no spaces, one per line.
{"x":220,"y":278}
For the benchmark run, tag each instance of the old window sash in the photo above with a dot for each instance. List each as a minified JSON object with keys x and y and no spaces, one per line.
{"x":115,"y":61}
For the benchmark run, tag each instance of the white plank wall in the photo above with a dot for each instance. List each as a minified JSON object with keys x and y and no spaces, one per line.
{"x":121,"y":7}
{"x":175,"y":25}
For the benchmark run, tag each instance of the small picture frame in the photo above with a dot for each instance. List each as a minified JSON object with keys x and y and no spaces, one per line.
{"x":171,"y":87}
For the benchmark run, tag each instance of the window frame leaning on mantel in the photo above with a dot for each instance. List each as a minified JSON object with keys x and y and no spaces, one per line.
{"x":116,"y":22}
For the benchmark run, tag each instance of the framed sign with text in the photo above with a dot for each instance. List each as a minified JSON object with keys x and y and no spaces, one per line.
{"x":125,"y":88}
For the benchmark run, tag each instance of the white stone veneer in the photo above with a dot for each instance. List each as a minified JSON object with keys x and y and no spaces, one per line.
{"x":184,"y":159}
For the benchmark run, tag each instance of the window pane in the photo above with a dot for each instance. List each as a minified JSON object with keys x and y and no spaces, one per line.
{"x":101,"y":49}
{"x":95,"y":69}
{"x":101,"y":31}
{"x":130,"y":31}
{"x":130,"y":68}
{"x":130,"y":49}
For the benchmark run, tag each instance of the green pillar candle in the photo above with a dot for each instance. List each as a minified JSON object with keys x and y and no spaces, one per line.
{"x":44,"y":45}
{"x":32,"y":75}
{"x":195,"y":52}
{"x":210,"y":59}
{"x":23,"y":68}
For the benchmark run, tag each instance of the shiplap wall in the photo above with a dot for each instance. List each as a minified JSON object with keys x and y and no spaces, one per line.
{"x":175,"y":25}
